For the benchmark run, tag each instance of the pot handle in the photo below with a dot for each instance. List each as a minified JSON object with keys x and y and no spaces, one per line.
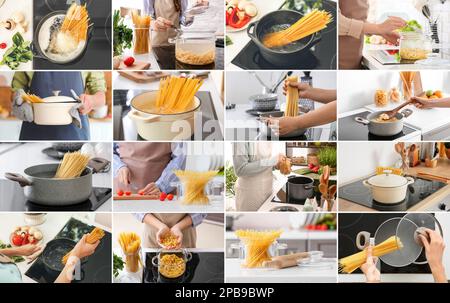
{"x":406,"y":113}
{"x":97,"y":164}
{"x":155,"y":261}
{"x":134,"y":115}
{"x":188,"y":256}
{"x":362,"y":240}
{"x":251,"y":33}
{"x":316,"y":39}
{"x":18,"y":178}
{"x":362,"y":120}
{"x":366,"y":184}
{"x":35,"y":52}
{"x":308,"y":186}
{"x":410,"y":180}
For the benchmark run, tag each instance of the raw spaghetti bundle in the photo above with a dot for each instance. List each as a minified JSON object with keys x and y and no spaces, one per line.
{"x":351,"y":263}
{"x":72,"y":165}
{"x":307,"y":25}
{"x":257,"y":244}
{"x":32,"y":98}
{"x":194,"y":184}
{"x":131,"y":246}
{"x":141,"y":33}
{"x":95,"y":235}
{"x":176,"y":94}
{"x":76,"y":23}
{"x":407,"y":83}
{"x":291,"y":98}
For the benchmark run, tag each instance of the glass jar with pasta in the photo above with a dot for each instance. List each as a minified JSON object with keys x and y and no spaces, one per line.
{"x":172,"y":264}
{"x":141,"y":40}
{"x":414,"y":46}
{"x":195,"y":47}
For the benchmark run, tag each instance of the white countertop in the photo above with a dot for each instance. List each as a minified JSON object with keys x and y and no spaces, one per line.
{"x":388,"y":278}
{"x":29,"y":154}
{"x":296,"y":235}
{"x":50,"y":228}
{"x":236,"y":274}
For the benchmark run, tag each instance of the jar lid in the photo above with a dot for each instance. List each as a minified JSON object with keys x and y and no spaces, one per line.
{"x":387,"y":179}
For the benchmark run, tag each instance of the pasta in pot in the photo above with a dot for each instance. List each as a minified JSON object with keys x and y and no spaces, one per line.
{"x":72,"y":165}
{"x":257,"y":244}
{"x":172,"y":266}
{"x":193,"y":58}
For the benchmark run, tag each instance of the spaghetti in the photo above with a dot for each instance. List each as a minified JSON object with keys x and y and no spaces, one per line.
{"x":72,"y":165}
{"x":291,"y":98}
{"x":176,"y":94}
{"x":307,"y":25}
{"x":351,"y":263}
{"x":141,"y":33}
{"x":93,"y":237}
{"x":257,"y":244}
{"x":194,"y":184}
{"x":32,"y":98}
{"x":76,"y":22}
{"x":131,"y":245}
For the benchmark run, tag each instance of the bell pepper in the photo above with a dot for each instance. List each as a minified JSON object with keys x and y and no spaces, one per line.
{"x":238,"y":18}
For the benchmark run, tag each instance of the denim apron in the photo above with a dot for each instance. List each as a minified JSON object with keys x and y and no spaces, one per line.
{"x":43,"y":84}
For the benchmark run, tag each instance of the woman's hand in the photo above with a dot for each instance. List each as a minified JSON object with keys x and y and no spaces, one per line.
{"x":282,"y":126}
{"x":179,"y":234}
{"x":161,"y":233}
{"x":151,"y":189}
{"x":370,"y":269}
{"x":90,"y":102}
{"x":161,"y":24}
{"x":434,"y":250}
{"x":422,"y":102}
{"x":84,"y":249}
{"x":26,"y":250}
{"x":124,"y":175}
{"x":281,"y":159}
{"x":387,"y":28}
{"x":303,"y":88}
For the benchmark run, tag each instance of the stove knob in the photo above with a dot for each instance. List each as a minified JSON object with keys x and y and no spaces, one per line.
{"x":442,"y":206}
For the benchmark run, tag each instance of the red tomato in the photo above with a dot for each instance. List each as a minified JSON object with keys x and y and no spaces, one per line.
{"x":310,"y":166}
{"x":322,"y":227}
{"x":162,"y":196}
{"x":17,"y":240}
{"x":120,"y":193}
{"x":3,"y":45}
{"x":25,"y":240}
{"x":128,"y":61}
{"x":141,"y":192}
{"x":128,"y":193}
{"x":170,"y":197}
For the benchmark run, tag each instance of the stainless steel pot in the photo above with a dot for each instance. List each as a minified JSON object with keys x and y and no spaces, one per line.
{"x":266,"y":131}
{"x":299,"y":188}
{"x":384,"y":128}
{"x":264,"y":102}
{"x":41,"y":187}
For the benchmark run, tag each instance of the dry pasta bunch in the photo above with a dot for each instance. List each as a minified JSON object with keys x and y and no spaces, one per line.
{"x":257,"y":245}
{"x":176,"y":94}
{"x":285,"y":166}
{"x":172,"y":266}
{"x":194,"y":185}
{"x":32,"y":98}
{"x":131,"y":245}
{"x":95,"y":235}
{"x":351,"y":263}
{"x":307,"y":25}
{"x":169,"y":240}
{"x":141,"y":33}
{"x":407,"y":82}
{"x":76,"y":22}
{"x":291,"y":98}
{"x":72,"y":165}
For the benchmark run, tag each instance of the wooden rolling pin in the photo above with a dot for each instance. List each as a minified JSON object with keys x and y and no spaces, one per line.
{"x":285,"y":261}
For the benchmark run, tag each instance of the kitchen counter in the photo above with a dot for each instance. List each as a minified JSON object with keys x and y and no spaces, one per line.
{"x":296,"y":235}
{"x":50,"y":228}
{"x":175,"y":206}
{"x":150,"y":58}
{"x":236,"y":274}
{"x":29,"y":154}
{"x":443,"y":168}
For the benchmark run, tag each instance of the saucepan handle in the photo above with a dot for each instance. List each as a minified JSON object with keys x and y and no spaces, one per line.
{"x":362,"y":120}
{"x":134,"y":115}
{"x":407,"y":112}
{"x":316,"y":39}
{"x":97,"y":164}
{"x":362,"y":240}
{"x":18,"y":178}
{"x":251,"y":31}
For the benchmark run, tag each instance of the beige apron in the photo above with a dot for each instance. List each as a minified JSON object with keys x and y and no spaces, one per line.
{"x":146,"y":161}
{"x":350,"y":49}
{"x":165,"y":9}
{"x":253,"y":191}
{"x":170,"y":219}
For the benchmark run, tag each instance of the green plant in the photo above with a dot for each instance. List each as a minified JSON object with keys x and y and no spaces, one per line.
{"x":327,"y":156}
{"x":123,"y":35}
{"x":230,"y":179}
{"x":19,"y":52}
{"x":118,"y":265}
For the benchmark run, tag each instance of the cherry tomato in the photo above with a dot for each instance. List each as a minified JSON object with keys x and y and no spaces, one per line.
{"x":162,"y":196}
{"x":128,"y":193}
{"x":141,"y":192}
{"x":120,"y":193}
{"x":3,"y":45}
{"x":17,"y":240}
{"x":170,"y":197}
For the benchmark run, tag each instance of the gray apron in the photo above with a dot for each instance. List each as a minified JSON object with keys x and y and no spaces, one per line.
{"x":189,"y":234}
{"x":43,"y":85}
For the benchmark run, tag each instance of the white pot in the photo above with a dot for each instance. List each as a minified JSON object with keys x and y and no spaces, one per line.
{"x":161,"y":127}
{"x":388,"y":188}
{"x":55,"y":110}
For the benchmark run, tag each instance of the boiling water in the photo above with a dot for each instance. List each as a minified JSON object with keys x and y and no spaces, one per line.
{"x":291,"y":47}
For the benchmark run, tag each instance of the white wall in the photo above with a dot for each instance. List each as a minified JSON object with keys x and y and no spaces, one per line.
{"x":356,"y":88}
{"x":240,"y":85}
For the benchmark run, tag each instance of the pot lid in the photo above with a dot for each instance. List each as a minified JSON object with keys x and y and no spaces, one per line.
{"x":58,"y":99}
{"x":387,"y":179}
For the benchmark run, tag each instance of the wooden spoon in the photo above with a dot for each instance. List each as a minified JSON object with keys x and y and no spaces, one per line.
{"x":326,"y":174}
{"x":332,"y":191}
{"x":323,"y":188}
{"x":392,"y":113}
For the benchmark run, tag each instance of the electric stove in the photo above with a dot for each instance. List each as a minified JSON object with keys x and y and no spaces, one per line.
{"x":204,"y":267}
{"x":357,"y":193}
{"x":350,"y":130}
{"x":98,"y":55}
{"x":351,"y":224}
{"x":165,"y":55}
{"x":311,"y":134}
{"x":95,"y":269}
{"x":13,"y":199}
{"x":320,"y":56}
{"x":210,"y":122}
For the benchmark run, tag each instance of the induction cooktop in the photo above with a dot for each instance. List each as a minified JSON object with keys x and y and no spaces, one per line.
{"x":320,"y":56}
{"x":13,"y":199}
{"x":204,"y":267}
{"x":357,"y":193}
{"x":350,"y":130}
{"x":94,"y":269}
{"x":312,"y":134}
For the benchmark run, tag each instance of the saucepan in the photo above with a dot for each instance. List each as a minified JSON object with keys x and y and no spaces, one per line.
{"x":42,"y":188}
{"x":385,"y":128}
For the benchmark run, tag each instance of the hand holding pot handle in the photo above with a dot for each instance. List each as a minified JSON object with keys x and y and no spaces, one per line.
{"x":18,"y":178}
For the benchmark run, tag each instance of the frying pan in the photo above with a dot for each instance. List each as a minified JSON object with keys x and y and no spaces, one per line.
{"x":39,"y":53}
{"x":384,"y":128}
{"x":41,"y":187}
{"x":54,"y":252}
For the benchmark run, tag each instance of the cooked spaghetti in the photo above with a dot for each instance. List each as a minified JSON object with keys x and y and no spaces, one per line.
{"x":309,"y":24}
{"x":32,"y":98}
{"x":141,"y":33}
{"x":72,"y":165}
{"x":176,"y":94}
{"x":291,"y":98}
{"x":351,"y":263}
{"x":131,"y":246}
{"x":172,"y":266}
{"x":194,"y":184}
{"x":95,"y":235}
{"x":257,"y":244}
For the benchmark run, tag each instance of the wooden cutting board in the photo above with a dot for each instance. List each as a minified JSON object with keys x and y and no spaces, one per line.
{"x":135,"y":197}
{"x":137,"y":65}
{"x":143,"y":77}
{"x":441,"y":170}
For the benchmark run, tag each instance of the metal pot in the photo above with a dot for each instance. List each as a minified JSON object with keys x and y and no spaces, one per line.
{"x":286,"y":55}
{"x":266,"y":131}
{"x":264,"y":102}
{"x":299,"y":188}
{"x":388,"y":188}
{"x":384,"y":128}
{"x":55,"y":110}
{"x":172,"y":271}
{"x":41,"y":187}
{"x":39,"y":53}
{"x":161,"y":127}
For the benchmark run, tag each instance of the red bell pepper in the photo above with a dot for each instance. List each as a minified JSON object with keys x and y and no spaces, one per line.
{"x":238,"y":18}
